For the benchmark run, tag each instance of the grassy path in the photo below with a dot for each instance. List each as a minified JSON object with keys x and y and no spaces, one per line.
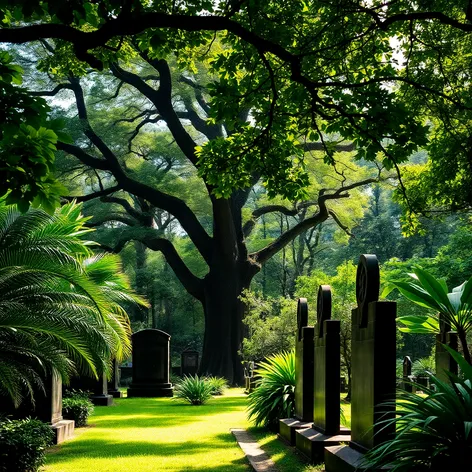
{"x":159,"y":434}
{"x":156,"y":434}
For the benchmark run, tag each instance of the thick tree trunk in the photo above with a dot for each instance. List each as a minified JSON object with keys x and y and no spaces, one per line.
{"x":224,"y":313}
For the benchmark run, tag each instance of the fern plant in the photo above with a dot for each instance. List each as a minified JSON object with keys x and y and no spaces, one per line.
{"x":274,"y":395}
{"x":60,"y":305}
{"x":194,"y":390}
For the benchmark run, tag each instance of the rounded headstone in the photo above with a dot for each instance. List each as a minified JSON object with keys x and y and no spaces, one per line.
{"x":367,"y":284}
{"x":323,"y":307}
{"x":302,"y":316}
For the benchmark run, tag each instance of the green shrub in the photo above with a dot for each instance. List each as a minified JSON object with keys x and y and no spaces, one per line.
{"x":218,"y":385}
{"x":433,"y":433}
{"x":77,"y":406}
{"x":274,"y":395}
{"x":175,"y":379}
{"x":194,"y":390}
{"x":22,"y":444}
{"x":423,"y":367}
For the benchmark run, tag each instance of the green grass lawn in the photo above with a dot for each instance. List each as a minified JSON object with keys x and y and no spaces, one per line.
{"x":161,"y":434}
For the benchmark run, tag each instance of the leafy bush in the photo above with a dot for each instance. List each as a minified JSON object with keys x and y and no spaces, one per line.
{"x":433,"y":433}
{"x":423,"y":367}
{"x":194,"y":390}
{"x":22,"y":444}
{"x":218,"y":385}
{"x":78,"y":407}
{"x":274,"y":396}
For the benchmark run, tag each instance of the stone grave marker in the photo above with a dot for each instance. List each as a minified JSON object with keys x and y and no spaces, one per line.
{"x":114,"y":383}
{"x":303,"y":376}
{"x":407,"y":377}
{"x":249,"y":380}
{"x":189,"y":363}
{"x":443,"y":360}
{"x":326,"y":429}
{"x":151,"y":364}
{"x":373,"y":370}
{"x":97,"y":388}
{"x":47,"y":407}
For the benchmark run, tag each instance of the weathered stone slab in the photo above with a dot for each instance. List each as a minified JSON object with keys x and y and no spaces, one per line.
{"x":289,"y":426}
{"x":189,"y":363}
{"x":312,"y":443}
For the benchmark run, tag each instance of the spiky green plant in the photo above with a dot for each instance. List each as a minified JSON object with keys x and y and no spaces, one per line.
{"x":193,"y":389}
{"x":274,"y":395}
{"x":60,"y":305}
{"x":423,"y":366}
{"x":433,"y":294}
{"x":432,"y":433}
{"x":218,"y":384}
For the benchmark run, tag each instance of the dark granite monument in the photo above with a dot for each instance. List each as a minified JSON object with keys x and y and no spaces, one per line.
{"x":97,"y":388}
{"x":114,"y":383}
{"x":189,"y":363}
{"x":303,"y":376}
{"x":373,"y":370}
{"x":443,"y":360}
{"x":326,"y":429}
{"x":151,"y":364}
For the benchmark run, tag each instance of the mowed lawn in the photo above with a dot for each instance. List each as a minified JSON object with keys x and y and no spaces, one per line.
{"x":156,"y":434}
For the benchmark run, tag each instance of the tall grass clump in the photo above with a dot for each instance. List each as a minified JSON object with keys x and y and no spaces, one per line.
{"x":274,"y":395}
{"x":193,"y":389}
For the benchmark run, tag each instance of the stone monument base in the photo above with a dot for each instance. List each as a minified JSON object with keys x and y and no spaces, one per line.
{"x":345,"y":459}
{"x":289,"y":426}
{"x":311,"y":443}
{"x":63,"y":429}
{"x":101,"y":400}
{"x":115,"y":393}
{"x":151,"y":390}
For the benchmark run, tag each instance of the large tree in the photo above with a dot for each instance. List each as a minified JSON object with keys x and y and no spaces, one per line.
{"x":390,"y":76}
{"x":132,"y":175}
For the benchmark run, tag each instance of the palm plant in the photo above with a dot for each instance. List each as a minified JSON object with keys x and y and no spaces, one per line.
{"x":274,"y":395}
{"x":455,"y":307}
{"x":59,"y":304}
{"x":432,"y":433}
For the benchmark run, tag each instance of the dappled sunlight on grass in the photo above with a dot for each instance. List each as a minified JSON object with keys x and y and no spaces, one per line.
{"x":154,"y":434}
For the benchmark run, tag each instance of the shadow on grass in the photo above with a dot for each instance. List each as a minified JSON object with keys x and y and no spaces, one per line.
{"x":101,"y":448}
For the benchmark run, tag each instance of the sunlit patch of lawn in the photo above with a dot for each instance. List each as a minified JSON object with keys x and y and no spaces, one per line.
{"x":156,"y":434}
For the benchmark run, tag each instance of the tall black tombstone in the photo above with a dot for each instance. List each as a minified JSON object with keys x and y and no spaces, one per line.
{"x":373,"y":370}
{"x":444,"y":362}
{"x":151,"y":364}
{"x":326,"y":429}
{"x":97,"y":388}
{"x":189,"y":363}
{"x":407,"y":377}
{"x":303,"y":376}
{"x":114,"y":383}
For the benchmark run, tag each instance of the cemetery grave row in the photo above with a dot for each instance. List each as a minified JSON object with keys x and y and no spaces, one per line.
{"x":315,"y":430}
